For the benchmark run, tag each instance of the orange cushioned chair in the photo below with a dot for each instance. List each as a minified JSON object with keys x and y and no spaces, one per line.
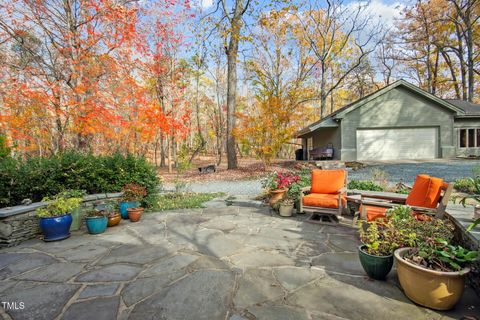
{"x":326,"y":195}
{"x":429,"y":195}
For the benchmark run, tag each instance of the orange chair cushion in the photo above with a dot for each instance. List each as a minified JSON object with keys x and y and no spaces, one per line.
{"x":374,"y":212}
{"x":327,"y":181}
{"x":426,"y":191}
{"x":323,"y":200}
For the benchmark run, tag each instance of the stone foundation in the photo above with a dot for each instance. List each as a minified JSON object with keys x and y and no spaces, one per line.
{"x":20,"y":223}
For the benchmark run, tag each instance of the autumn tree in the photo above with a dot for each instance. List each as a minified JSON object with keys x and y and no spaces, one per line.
{"x":341,"y":37}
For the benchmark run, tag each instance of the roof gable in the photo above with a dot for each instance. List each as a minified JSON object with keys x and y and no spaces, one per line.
{"x":400,"y":83}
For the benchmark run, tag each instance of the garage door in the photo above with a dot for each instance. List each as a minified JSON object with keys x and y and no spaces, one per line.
{"x":391,"y":144}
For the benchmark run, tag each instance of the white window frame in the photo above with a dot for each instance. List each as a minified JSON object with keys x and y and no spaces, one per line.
{"x":467,"y":142}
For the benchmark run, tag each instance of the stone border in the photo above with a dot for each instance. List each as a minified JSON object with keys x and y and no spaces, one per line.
{"x":20,"y":223}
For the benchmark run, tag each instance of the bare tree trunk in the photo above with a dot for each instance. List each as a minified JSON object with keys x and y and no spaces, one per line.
{"x":232,"y":54}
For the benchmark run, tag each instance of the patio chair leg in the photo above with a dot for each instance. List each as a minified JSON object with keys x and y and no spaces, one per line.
{"x":323,"y":218}
{"x":356,"y":215}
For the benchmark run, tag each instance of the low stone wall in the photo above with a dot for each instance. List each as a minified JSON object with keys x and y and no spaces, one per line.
{"x":20,"y":223}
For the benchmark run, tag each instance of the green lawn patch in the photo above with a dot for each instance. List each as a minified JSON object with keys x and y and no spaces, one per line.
{"x":184,"y":200}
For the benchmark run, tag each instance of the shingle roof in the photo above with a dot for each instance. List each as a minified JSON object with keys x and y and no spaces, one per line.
{"x":468,"y":107}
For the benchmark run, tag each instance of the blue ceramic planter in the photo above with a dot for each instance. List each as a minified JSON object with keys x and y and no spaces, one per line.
{"x":96,"y":225}
{"x":56,"y":228}
{"x":125,"y":205}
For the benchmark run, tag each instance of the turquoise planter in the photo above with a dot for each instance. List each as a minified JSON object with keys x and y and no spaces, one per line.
{"x":96,"y":225}
{"x":125,"y":205}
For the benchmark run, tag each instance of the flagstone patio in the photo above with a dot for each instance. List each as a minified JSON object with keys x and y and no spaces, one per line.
{"x":222,"y":262}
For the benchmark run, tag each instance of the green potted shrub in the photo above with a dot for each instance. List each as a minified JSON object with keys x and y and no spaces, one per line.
{"x":133,"y":193}
{"x":379,"y":240}
{"x":56,"y":218}
{"x":96,"y":220}
{"x":432,"y":270}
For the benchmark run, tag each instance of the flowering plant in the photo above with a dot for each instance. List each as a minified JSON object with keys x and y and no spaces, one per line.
{"x":280,"y":180}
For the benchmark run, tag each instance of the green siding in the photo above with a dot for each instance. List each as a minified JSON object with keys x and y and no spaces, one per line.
{"x":399,"y":108}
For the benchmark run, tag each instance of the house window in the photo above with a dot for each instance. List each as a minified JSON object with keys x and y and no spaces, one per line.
{"x":463,"y":138}
{"x":469,"y":138}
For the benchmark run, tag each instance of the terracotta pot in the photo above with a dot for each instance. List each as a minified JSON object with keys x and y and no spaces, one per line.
{"x":433,"y":289}
{"x":114,"y":220}
{"x":134,"y":214}
{"x":276,"y":195}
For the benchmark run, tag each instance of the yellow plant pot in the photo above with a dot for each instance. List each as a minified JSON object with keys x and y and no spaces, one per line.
{"x":432,"y":289}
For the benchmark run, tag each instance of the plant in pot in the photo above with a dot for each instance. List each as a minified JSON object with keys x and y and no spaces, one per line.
{"x":285,"y":206}
{"x":55,"y":217}
{"x":133,"y":193}
{"x":475,"y":182}
{"x":432,"y":271}
{"x":96,"y":220}
{"x":379,"y":240}
{"x":77,"y":212}
{"x":114,"y":216}
{"x":277,"y":184}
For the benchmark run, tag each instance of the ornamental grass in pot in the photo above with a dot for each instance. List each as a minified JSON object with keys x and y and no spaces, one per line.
{"x":56,"y":218}
{"x":432,"y":270}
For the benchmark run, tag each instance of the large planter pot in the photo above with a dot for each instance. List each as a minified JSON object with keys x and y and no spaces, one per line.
{"x":76,"y":219}
{"x":123,"y":205}
{"x":96,"y":225}
{"x":56,"y":228}
{"x":377,"y":267}
{"x":276,"y":195}
{"x":285,"y":210}
{"x":134,"y":214}
{"x":114,"y":220}
{"x":432,"y":289}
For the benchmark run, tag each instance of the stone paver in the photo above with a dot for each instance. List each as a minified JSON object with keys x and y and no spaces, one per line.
{"x":231,"y":262}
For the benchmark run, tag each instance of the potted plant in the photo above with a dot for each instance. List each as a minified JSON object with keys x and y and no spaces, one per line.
{"x":114,"y":216}
{"x":134,"y":214}
{"x":133,"y":193}
{"x":277,"y":184}
{"x":76,"y":212}
{"x":285,"y":207}
{"x":475,"y":196}
{"x":432,"y":271}
{"x":55,"y":217}
{"x":96,"y":220}
{"x":379,"y":240}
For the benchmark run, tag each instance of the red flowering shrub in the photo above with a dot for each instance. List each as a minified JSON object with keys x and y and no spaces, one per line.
{"x":280,"y":180}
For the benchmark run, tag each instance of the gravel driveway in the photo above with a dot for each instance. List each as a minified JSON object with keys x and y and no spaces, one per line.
{"x":446,"y":169}
{"x":449,"y":170}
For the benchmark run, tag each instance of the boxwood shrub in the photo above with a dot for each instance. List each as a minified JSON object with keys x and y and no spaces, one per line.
{"x":364,"y":185}
{"x":36,"y":177}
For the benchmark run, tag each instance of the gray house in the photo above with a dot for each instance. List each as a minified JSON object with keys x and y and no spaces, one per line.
{"x":400,"y":121}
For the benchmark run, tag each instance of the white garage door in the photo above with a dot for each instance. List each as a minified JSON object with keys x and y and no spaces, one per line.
{"x":391,"y":144}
